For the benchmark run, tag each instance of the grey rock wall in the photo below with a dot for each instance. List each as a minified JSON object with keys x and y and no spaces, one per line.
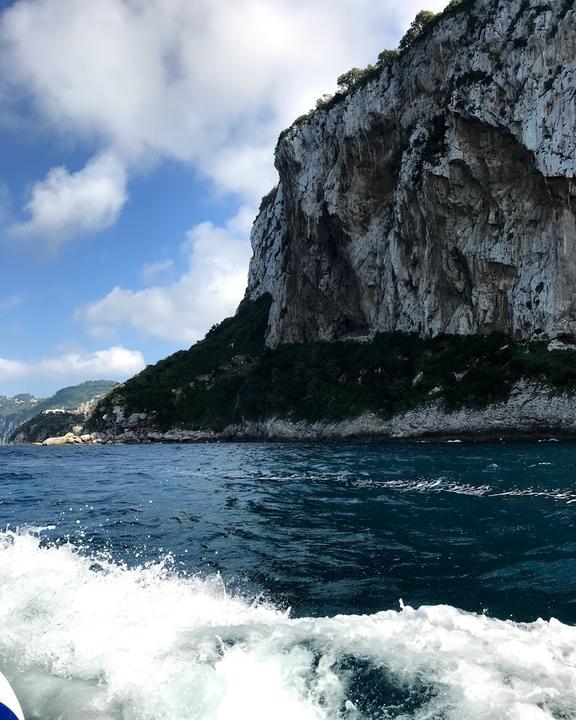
{"x":441,"y":196}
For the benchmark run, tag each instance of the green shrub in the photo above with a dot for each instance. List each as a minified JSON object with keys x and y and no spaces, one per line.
{"x":422,"y":19}
{"x":387,"y":57}
{"x":324,"y":101}
{"x":268,"y":199}
{"x":349,"y":80}
{"x":196,"y":387}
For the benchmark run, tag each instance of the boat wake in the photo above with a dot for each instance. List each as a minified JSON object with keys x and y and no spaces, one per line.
{"x":84,"y":638}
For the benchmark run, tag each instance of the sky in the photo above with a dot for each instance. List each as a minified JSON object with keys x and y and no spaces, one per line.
{"x":136,"y":141}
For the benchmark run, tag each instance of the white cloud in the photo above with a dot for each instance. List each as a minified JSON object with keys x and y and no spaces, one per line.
{"x":151,"y":270}
{"x":115,"y":363}
{"x":206,"y":82}
{"x":182,"y":311}
{"x":11,"y":369}
{"x":67,"y":205}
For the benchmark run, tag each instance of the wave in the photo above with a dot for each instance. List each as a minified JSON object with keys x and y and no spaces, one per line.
{"x":455,"y":487}
{"x":85,"y":638}
{"x":430,"y":485}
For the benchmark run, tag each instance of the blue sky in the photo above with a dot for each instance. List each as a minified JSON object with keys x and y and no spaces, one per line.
{"x":136,"y":139}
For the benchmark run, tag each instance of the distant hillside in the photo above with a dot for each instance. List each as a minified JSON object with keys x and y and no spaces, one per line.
{"x":16,"y":404}
{"x":69,"y":398}
{"x":17,"y":410}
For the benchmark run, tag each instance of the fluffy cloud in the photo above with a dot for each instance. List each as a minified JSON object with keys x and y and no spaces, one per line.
{"x":67,"y":205}
{"x":209,"y":83}
{"x":205,"y":82}
{"x":182,"y":311}
{"x":116,"y":363}
{"x":11,"y":369}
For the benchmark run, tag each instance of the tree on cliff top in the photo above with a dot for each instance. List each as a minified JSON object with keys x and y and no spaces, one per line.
{"x":416,"y":28}
{"x":348,"y":80}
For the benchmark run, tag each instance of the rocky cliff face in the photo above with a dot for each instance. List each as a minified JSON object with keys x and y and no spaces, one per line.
{"x":438,"y":198}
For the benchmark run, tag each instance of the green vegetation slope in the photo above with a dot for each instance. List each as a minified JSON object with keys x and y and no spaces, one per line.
{"x":230,"y":377}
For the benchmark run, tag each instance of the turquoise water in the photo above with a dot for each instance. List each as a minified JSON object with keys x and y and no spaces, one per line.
{"x":369,"y":581}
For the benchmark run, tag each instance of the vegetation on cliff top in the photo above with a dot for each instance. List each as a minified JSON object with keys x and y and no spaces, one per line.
{"x":355,"y":78}
{"x":230,"y":376}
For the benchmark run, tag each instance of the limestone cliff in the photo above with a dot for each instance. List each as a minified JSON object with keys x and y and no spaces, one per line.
{"x":437,"y":198}
{"x":440,"y":197}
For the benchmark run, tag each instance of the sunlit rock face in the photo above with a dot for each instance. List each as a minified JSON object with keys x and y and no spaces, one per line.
{"x":438,"y":198}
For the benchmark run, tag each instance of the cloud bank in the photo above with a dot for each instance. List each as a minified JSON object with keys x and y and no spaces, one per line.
{"x":115,"y":363}
{"x":208,"y":83}
{"x":149,"y":271}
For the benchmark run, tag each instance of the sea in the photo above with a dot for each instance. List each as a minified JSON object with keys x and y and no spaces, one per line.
{"x":290,"y":581}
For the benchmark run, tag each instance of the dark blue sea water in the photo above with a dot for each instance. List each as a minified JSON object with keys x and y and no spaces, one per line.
{"x":310,"y":582}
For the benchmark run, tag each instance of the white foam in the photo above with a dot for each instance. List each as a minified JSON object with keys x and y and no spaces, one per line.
{"x":436,"y":485}
{"x":87,"y":639}
{"x":456,"y":487}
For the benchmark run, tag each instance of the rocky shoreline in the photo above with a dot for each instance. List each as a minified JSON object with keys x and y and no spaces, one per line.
{"x":532,"y":412}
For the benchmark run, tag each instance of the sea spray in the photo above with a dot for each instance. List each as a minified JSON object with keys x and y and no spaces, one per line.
{"x":84,"y":638}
